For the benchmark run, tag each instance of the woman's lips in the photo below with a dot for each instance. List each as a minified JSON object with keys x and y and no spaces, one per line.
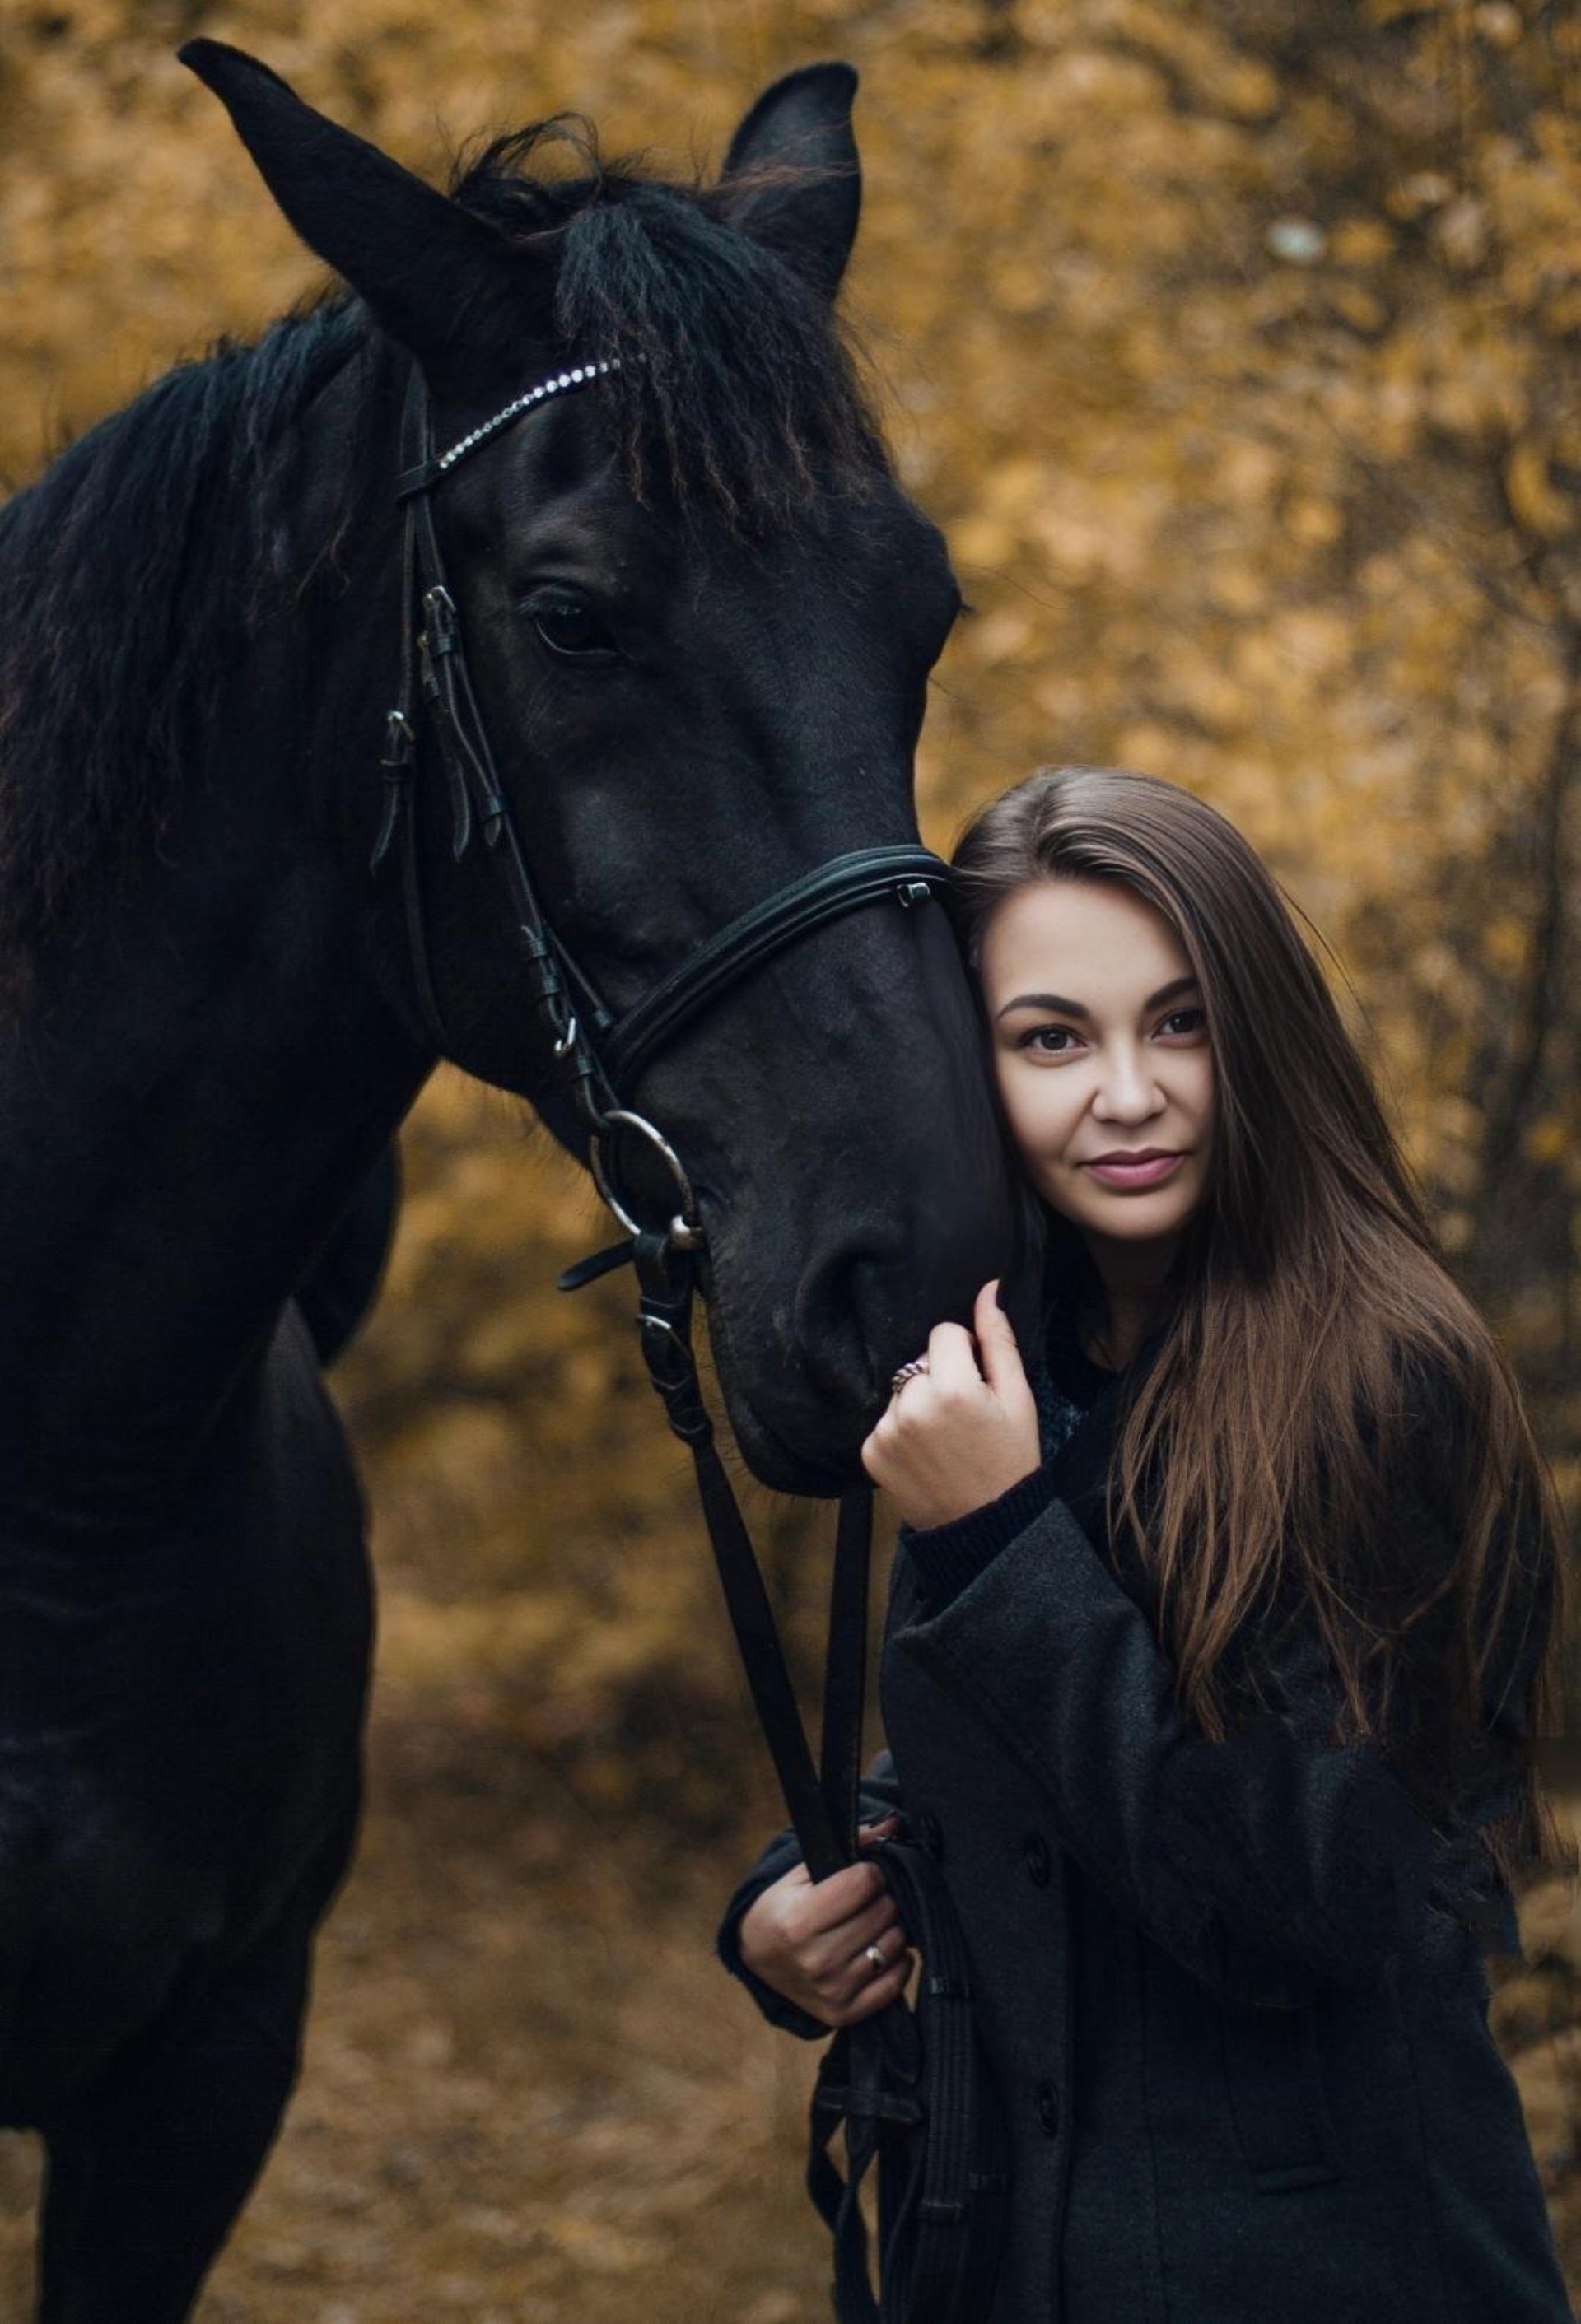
{"x":1135,"y":1174}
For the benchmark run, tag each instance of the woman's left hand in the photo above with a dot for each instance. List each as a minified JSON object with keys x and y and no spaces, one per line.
{"x":957,"y":1437}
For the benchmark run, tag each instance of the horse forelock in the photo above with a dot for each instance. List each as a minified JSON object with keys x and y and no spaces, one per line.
{"x":738,"y":397}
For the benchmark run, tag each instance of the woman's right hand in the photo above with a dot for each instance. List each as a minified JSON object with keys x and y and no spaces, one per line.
{"x":806,"y":1938}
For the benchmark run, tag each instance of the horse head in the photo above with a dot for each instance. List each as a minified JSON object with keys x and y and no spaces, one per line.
{"x":699,"y":615}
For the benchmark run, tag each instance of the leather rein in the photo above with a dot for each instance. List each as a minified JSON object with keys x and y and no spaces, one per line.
{"x":603,"y":1054}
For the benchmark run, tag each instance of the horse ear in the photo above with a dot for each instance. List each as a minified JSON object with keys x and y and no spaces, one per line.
{"x":796,"y":144}
{"x":443,"y":282}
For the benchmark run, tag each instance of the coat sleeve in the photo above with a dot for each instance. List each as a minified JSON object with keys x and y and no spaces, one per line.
{"x":1267,"y":1864}
{"x":880,"y":1794}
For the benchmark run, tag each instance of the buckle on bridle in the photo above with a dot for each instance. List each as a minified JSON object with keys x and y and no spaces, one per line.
{"x":442,"y":626}
{"x":400,"y":740}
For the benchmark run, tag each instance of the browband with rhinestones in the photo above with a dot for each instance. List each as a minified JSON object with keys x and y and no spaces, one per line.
{"x":419,"y":479}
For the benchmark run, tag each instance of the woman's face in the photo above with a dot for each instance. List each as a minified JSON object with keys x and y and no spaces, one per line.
{"x":1101,"y":1053}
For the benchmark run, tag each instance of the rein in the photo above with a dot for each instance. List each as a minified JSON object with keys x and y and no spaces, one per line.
{"x":604,"y":1055}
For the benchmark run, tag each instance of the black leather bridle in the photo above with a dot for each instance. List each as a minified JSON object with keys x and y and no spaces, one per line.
{"x":602,"y":1057}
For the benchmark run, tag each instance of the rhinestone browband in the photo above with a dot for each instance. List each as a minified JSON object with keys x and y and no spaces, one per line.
{"x":419,"y":479}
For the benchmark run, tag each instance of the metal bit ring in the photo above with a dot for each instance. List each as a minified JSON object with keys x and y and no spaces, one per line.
{"x":685,"y":1227}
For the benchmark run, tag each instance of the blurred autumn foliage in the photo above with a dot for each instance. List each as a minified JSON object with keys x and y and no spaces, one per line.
{"x":1234,"y":343}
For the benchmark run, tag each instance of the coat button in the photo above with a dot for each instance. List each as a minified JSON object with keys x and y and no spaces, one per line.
{"x":929,"y":1836}
{"x":1048,"y":2098}
{"x":1035,"y":1857}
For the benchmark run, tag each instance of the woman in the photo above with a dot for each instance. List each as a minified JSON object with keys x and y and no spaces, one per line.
{"x":1217,"y":1640}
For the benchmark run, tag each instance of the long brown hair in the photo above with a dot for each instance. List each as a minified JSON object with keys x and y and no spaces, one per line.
{"x":1319,"y":1366}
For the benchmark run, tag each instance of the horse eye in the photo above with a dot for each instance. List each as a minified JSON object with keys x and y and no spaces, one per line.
{"x":569,"y":623}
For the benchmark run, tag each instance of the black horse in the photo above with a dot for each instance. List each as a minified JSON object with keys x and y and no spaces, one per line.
{"x":702,"y":616}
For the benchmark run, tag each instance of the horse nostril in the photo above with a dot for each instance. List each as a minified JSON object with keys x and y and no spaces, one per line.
{"x":849,"y":1312}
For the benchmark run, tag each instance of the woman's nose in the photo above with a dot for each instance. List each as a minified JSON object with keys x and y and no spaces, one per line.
{"x":1127,"y":1091}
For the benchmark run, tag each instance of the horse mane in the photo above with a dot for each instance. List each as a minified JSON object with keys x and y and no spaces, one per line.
{"x":125,"y":573}
{"x":129,"y":570}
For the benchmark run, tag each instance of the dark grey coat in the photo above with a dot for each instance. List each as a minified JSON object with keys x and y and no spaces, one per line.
{"x":1233,"y":1994}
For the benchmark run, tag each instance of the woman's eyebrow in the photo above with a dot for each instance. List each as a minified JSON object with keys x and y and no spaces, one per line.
{"x":1063,"y":1007}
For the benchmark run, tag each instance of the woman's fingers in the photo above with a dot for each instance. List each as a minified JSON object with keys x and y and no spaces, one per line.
{"x":952,"y":1360}
{"x":824,"y":1903}
{"x":876,"y":1994}
{"x":999,"y":1349}
{"x":845,"y":1941}
{"x":840,"y":1991}
{"x":809,"y":1941}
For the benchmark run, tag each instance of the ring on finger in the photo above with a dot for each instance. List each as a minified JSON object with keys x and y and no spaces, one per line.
{"x":915,"y":1370}
{"x":873,"y":1954}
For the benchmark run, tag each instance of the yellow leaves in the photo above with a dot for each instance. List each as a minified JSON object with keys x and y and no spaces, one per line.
{"x":1236,"y":585}
{"x":1247,"y":87}
{"x":1561,"y":312}
{"x":999,"y":635}
{"x":1550,"y":1140}
{"x":1505,"y":943}
{"x":1461,"y":233}
{"x":1498,"y":23}
{"x":1249,"y":468}
{"x":1315,"y":522}
{"x":1020,"y":284}
{"x":1361,"y":242}
{"x":1018,"y":484}
{"x":1362,"y":309}
{"x":1437,"y":968}
{"x":1383,"y":13}
{"x":984,"y":540}
{"x":1454,"y":1229}
{"x":1425,"y":190}
{"x":1536,"y":501}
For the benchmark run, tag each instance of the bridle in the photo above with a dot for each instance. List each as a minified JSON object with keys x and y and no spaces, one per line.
{"x":874,"y":2082}
{"x":602,"y":1056}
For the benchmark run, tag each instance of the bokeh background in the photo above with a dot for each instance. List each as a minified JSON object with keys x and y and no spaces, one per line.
{"x":1234,"y":343}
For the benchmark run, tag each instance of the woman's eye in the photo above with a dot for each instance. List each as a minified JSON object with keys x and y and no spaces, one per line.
{"x":1048,"y":1040}
{"x":569,"y":623}
{"x":1184,"y":1020}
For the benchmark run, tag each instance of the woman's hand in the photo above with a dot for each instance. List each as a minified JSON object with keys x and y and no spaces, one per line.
{"x":956,"y":1437}
{"x":806,"y":1938}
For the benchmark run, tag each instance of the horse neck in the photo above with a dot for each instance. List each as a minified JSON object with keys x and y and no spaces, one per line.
{"x":204,"y":1069}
